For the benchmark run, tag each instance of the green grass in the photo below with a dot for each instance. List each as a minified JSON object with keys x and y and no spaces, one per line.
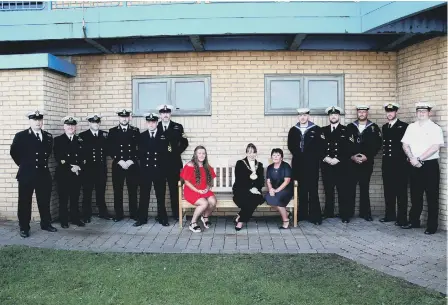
{"x":43,"y":276}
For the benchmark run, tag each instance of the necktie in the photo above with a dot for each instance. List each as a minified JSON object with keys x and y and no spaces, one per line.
{"x":95,"y":134}
{"x":333,"y":129}
{"x":124,"y":129}
{"x":71,"y":138}
{"x":152,"y":135}
{"x":390,"y":125}
{"x":164,"y":127}
{"x":38,"y":137}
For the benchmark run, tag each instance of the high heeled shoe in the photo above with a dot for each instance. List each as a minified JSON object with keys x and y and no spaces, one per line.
{"x":282,"y":227}
{"x":237,"y":228}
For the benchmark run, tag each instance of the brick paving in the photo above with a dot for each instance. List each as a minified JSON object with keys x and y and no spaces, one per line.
{"x":408,"y":254}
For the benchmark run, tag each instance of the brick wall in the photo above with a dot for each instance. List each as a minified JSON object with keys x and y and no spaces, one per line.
{"x":104,"y":83}
{"x":422,"y":76}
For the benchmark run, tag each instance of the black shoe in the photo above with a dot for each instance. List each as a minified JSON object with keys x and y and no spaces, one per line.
{"x":79,"y":223}
{"x":139,"y":223}
{"x":386,"y":219}
{"x":87,"y":220}
{"x":64,"y":225}
{"x":345,"y":221}
{"x":368,"y":218}
{"x":164,"y":222}
{"x":24,"y":233}
{"x":328,"y":216}
{"x":410,"y":226}
{"x":49,"y":228}
{"x":133,"y":217}
{"x":317,"y":223}
{"x":430,"y":232}
{"x":398,"y":224}
{"x":157,"y":219}
{"x":107,"y":217}
{"x":117,"y":219}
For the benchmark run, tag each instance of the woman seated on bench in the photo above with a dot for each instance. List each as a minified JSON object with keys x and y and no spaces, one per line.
{"x":198,"y":176}
{"x":249,"y":179}
{"x":281,"y":190}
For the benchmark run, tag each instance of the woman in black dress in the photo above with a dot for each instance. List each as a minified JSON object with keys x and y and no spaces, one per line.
{"x":249,"y":179}
{"x":278,"y":178}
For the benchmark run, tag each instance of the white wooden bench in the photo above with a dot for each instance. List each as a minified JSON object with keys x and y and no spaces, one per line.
{"x":222,"y":187}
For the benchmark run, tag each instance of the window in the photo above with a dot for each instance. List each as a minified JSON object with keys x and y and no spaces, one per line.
{"x":21,"y":5}
{"x":285,"y":93}
{"x":190,"y":95}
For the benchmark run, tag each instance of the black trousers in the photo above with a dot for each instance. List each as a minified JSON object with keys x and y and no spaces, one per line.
{"x":395,"y":183}
{"x":334,"y":176}
{"x":131,"y":175}
{"x":425,"y":179}
{"x":360,"y":173}
{"x":69,"y":187}
{"x":173,"y":177}
{"x":42,"y":185}
{"x":248,"y":203}
{"x":94,"y":177}
{"x":146,"y":182}
{"x":309,"y":204}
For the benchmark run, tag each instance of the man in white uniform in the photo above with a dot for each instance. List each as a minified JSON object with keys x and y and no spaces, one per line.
{"x":421,"y":143}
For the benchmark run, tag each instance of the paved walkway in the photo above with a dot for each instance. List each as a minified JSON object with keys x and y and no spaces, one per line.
{"x":408,"y":254}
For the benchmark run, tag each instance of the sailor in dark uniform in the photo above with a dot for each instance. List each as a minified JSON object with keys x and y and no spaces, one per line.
{"x":122,"y":147}
{"x":68,"y":155}
{"x":305,"y":142}
{"x":335,"y":163}
{"x":95,"y":172}
{"x":152,"y":150}
{"x":177,"y":143}
{"x":365,"y":138}
{"x":395,"y":168}
{"x":30,"y":150}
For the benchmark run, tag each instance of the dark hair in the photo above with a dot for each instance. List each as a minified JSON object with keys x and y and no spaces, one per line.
{"x":205,"y":164}
{"x":252,"y":147}
{"x":277,"y":151}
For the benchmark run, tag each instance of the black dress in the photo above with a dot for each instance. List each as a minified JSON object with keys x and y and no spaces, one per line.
{"x":242,"y":196}
{"x":277,"y":177}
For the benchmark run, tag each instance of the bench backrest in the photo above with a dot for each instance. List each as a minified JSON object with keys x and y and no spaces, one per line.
{"x":225,"y":173}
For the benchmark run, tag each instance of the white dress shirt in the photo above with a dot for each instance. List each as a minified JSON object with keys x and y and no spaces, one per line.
{"x":421,"y":137}
{"x":38,"y":133}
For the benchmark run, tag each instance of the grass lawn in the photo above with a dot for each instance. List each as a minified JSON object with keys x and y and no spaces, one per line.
{"x":43,"y":276}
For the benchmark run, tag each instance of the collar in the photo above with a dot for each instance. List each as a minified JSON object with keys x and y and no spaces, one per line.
{"x":166,"y":124}
{"x":68,"y":137}
{"x":36,"y":132}
{"x":310,"y":125}
{"x":368,"y":123}
{"x":334,"y":125}
{"x":126,"y":127}
{"x":93,"y":132}
{"x":392,"y":123}
{"x":154,"y":131}
{"x":426,"y":123}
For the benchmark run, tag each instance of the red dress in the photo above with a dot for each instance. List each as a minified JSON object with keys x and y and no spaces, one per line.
{"x":187,"y":174}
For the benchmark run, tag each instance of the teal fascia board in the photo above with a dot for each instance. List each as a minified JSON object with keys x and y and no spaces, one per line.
{"x":182,"y":19}
{"x":37,"y":61}
{"x":376,"y":15}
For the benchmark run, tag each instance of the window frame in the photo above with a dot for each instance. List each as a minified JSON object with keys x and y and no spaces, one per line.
{"x":171,"y":93}
{"x":304,"y":92}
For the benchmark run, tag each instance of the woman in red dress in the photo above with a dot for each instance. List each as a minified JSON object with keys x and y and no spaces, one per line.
{"x":198,"y":176}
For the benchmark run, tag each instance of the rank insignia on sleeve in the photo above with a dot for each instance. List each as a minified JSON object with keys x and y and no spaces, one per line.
{"x":84,"y":161}
{"x":352,"y":139}
{"x":62,"y":161}
{"x":169,"y":148}
{"x":79,"y":139}
{"x":322,"y":136}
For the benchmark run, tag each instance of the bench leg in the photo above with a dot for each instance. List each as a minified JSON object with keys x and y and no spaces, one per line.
{"x":296,"y":208}
{"x":181,"y":216}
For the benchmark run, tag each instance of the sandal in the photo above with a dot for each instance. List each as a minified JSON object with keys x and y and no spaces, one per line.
{"x":282,"y":227}
{"x":194,"y":227}
{"x":236,"y":219}
{"x":206,"y":223}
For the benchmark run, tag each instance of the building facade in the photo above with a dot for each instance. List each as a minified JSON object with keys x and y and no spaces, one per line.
{"x":235,"y":71}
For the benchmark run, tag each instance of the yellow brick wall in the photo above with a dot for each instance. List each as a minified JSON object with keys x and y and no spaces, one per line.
{"x":24,"y":91}
{"x":104,"y":83}
{"x":422,"y":76}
